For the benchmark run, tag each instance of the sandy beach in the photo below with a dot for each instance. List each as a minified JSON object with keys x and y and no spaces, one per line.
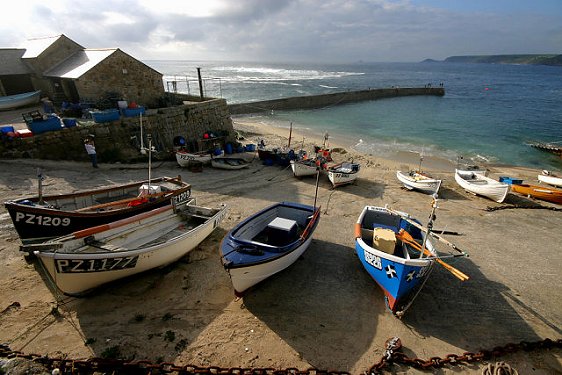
{"x":324,"y":311}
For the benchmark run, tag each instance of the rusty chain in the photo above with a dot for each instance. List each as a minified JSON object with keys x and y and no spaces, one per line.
{"x":392,"y":355}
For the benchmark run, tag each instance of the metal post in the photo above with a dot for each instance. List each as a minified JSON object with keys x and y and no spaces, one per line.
{"x":200,"y":82}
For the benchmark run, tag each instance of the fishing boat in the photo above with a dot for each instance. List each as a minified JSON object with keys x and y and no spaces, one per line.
{"x":550,"y":178}
{"x":544,"y":193}
{"x":420,"y":181}
{"x":396,"y":251}
{"x":41,"y":217}
{"x":19,"y":100}
{"x":87,"y":259}
{"x":343,"y":173}
{"x":229,"y":163}
{"x":184,"y":158}
{"x":304,"y":167}
{"x":476,"y":182}
{"x":267,"y":243}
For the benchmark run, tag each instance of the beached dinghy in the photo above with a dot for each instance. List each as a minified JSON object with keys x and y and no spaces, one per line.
{"x":343,"y":173}
{"x":40,"y":217}
{"x":19,"y":100}
{"x":414,"y":180}
{"x":477,"y":183}
{"x":544,"y":193}
{"x":229,"y":163}
{"x":390,"y":245}
{"x":267,"y":242}
{"x":549,"y":178}
{"x":184,"y":158}
{"x":306,"y":167}
{"x":84,"y":260}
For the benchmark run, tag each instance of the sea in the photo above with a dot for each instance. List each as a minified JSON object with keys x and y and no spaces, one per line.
{"x":488,"y":115}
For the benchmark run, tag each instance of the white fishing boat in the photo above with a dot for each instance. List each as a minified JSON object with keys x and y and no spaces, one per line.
{"x":229,"y":163}
{"x":414,"y":180}
{"x":306,"y":167}
{"x":267,"y":242}
{"x":19,"y":100}
{"x":343,"y":173}
{"x":84,"y":260}
{"x":549,"y":178}
{"x":184,"y":158}
{"x":475,"y":182}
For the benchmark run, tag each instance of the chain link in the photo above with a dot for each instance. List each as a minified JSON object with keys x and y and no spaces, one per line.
{"x":392,"y":355}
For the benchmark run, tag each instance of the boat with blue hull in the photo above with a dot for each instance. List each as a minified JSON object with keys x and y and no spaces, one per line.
{"x":394,"y":264}
{"x":267,"y":243}
{"x":398,"y":253}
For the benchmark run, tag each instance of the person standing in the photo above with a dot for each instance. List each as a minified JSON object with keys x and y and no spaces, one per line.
{"x":91,"y":150}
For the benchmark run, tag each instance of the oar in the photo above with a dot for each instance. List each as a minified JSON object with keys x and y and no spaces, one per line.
{"x":424,"y":229}
{"x":310,"y":223}
{"x":407,"y":237}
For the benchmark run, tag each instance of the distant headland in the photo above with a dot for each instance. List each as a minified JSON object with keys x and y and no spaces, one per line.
{"x":555,"y":60}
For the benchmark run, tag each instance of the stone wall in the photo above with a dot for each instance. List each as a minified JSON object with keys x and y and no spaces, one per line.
{"x":122,"y":74}
{"x":325,"y":100}
{"x":120,"y":141}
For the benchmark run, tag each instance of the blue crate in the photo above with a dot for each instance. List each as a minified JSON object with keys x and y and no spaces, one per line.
{"x":511,"y":181}
{"x":52,"y":123}
{"x":132,"y":112}
{"x":105,"y":116}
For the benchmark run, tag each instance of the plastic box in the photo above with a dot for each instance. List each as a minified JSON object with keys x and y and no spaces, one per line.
{"x":132,"y":112}
{"x":105,"y":116}
{"x":511,"y":181}
{"x":43,"y":126}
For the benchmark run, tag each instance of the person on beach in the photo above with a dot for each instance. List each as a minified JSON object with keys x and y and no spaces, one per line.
{"x":91,"y":150}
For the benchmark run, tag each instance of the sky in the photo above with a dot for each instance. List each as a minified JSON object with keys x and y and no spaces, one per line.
{"x":328,"y":31}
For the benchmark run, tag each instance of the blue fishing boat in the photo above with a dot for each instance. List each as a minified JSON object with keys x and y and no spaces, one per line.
{"x":395,"y":265}
{"x":19,"y":100}
{"x":267,"y":243}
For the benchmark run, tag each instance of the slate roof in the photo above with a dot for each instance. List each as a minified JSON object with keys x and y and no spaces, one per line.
{"x":79,"y":63}
{"x":11,"y":62}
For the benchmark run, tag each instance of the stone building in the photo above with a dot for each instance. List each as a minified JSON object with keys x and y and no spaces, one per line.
{"x":65,"y":71}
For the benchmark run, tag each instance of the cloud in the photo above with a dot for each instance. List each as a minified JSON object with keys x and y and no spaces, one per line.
{"x":288,"y":30}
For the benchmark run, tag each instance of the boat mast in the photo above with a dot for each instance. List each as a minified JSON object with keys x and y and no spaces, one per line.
{"x":149,"y":137}
{"x":40,"y":185}
{"x":429,"y":224}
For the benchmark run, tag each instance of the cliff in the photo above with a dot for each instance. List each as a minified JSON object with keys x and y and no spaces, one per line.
{"x":555,"y":60}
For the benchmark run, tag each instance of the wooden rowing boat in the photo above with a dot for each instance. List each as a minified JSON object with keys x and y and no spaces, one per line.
{"x":86,"y":259}
{"x":477,"y":183}
{"x":343,"y":173}
{"x":550,"y":178}
{"x":414,"y":180}
{"x":19,"y":100}
{"x":38,"y":218}
{"x":544,"y":193}
{"x":184,"y":158}
{"x":267,"y":242}
{"x":395,"y":266}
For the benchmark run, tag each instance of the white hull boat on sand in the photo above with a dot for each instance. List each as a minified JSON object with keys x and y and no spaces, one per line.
{"x":478,"y":184}
{"x":184,"y":158}
{"x":548,"y":178}
{"x":419,"y":181}
{"x":303,"y":168}
{"x":343,"y":174}
{"x":84,"y":260}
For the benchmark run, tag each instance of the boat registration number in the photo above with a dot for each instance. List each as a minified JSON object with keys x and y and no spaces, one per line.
{"x":47,"y":221}
{"x":373,"y":260}
{"x":181,"y":197}
{"x":95,"y":265}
